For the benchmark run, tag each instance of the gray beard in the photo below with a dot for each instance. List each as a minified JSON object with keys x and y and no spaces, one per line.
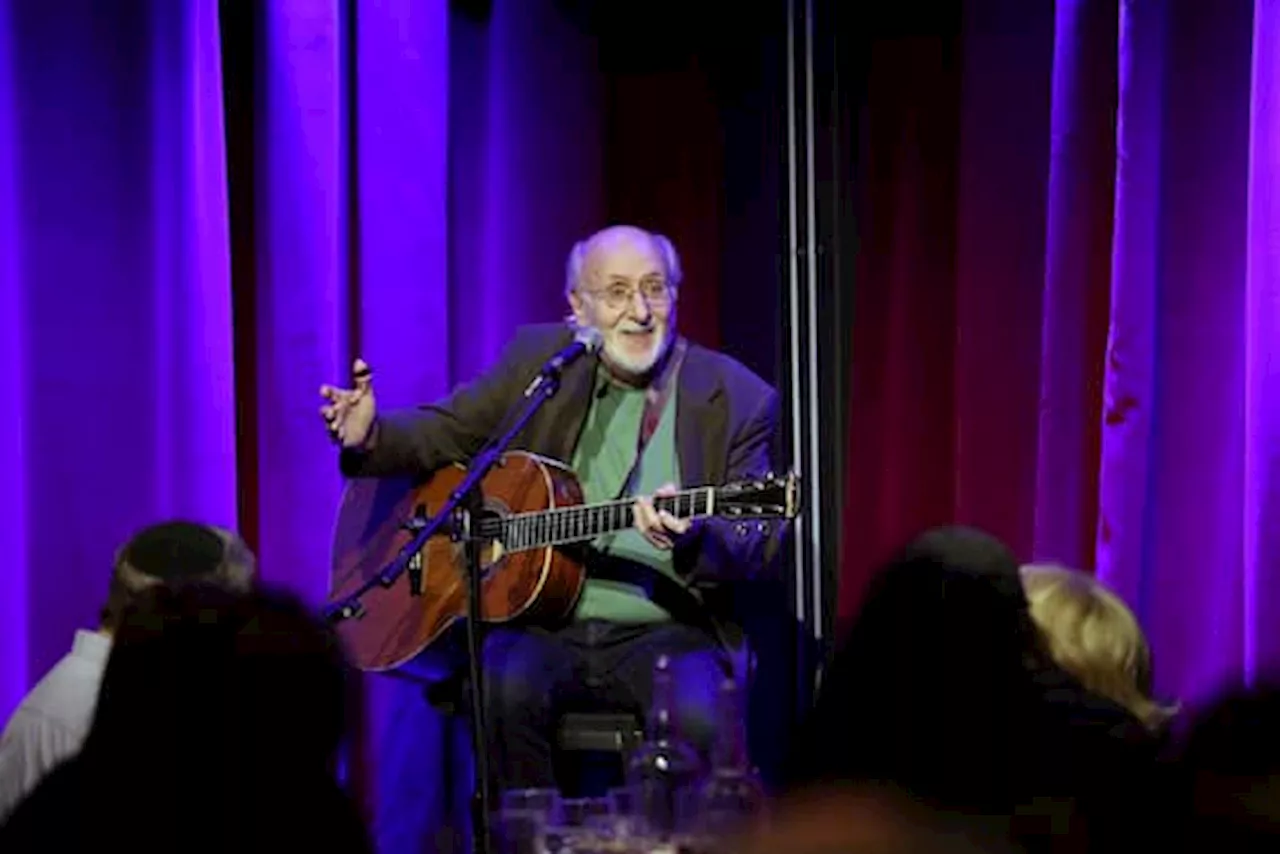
{"x":629,"y":364}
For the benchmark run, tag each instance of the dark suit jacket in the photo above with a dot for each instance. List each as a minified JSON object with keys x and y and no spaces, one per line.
{"x":726,"y":425}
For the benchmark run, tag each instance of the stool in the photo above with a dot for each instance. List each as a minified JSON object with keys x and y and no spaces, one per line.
{"x":591,"y":751}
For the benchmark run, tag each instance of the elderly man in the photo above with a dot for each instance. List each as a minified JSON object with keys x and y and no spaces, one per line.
{"x":51,"y":722}
{"x":650,"y":412}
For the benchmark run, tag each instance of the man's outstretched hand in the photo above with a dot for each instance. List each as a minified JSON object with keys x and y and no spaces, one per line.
{"x":349,"y":412}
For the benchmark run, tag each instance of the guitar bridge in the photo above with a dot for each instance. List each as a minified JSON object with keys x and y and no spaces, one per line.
{"x":414,"y":569}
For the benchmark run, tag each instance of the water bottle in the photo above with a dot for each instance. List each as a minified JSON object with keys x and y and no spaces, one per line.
{"x":731,"y":796}
{"x":664,"y":766}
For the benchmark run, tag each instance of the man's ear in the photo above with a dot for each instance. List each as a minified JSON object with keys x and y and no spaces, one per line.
{"x":579,"y":308}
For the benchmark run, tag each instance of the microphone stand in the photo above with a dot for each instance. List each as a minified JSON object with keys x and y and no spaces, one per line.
{"x":460,"y":510}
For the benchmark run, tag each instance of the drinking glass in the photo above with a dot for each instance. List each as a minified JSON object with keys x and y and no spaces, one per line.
{"x":522,"y":816}
{"x":577,"y":824}
{"x":579,"y":812}
{"x":624,"y":813}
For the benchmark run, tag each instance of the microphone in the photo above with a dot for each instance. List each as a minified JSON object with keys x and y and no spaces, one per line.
{"x":585,"y":341}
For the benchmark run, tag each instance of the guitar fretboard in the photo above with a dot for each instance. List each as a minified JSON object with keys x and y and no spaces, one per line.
{"x":564,"y":525}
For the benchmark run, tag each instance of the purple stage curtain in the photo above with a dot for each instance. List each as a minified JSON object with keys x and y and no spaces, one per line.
{"x":1180,"y":416}
{"x":14,"y":672}
{"x":1261,"y":521}
{"x":1067,"y":309}
{"x":371,"y":241}
{"x":302,"y":305}
{"x":115,"y":319}
{"x":392,"y":179}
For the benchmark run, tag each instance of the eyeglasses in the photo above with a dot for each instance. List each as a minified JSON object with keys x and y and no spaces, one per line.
{"x":619,"y":295}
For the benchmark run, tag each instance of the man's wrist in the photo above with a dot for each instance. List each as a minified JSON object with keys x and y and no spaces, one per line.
{"x":689,"y":537}
{"x":371,"y":438}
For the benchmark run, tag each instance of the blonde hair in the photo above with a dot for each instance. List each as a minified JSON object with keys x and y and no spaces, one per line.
{"x":1093,"y":635}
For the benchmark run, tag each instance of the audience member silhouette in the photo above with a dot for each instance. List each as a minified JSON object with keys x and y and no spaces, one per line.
{"x":861,"y":821}
{"x":217,"y":725}
{"x":53,"y":719}
{"x":1228,"y":792}
{"x":930,"y":688}
{"x":944,"y":688}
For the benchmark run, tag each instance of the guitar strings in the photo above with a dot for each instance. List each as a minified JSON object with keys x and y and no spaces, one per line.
{"x":543,"y":526}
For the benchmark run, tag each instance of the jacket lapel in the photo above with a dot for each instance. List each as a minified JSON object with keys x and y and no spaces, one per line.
{"x":701,"y":422}
{"x":564,"y":414}
{"x":701,"y":419}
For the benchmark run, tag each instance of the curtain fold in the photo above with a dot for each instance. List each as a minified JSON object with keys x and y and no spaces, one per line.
{"x":1007,"y":54}
{"x":402,"y":295}
{"x":14,"y":535}
{"x":1127,"y":426}
{"x":117,"y":301}
{"x":1262,"y":352}
{"x":1077,"y":260}
{"x":525,"y":171}
{"x":301,"y":293}
{"x":1188,"y":583}
{"x":193,"y":384}
{"x":1089,"y":372}
{"x":901,"y":405}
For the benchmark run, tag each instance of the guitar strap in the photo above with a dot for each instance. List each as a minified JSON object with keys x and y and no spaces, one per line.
{"x":655,"y":401}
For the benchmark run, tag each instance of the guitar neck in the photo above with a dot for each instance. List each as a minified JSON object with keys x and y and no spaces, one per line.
{"x":583,"y":522}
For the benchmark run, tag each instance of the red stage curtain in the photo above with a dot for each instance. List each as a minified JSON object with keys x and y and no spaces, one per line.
{"x":664,"y":170}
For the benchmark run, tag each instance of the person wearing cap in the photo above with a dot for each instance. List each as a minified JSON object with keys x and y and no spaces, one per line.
{"x":50,"y":723}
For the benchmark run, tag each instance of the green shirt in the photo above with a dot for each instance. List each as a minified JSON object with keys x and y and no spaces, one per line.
{"x":602,"y":460}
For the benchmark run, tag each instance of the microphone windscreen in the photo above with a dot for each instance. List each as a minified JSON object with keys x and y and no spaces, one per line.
{"x":589,"y":337}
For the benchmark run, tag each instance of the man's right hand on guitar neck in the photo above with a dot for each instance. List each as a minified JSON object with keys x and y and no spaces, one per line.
{"x":350,"y":413}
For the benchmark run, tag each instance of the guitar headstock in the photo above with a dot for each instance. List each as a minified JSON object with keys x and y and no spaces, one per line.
{"x":768,"y":496}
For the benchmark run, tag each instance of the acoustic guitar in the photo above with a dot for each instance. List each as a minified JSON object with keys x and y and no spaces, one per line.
{"x":532,"y":508}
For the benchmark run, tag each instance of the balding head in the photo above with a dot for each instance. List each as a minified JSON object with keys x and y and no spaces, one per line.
{"x":584,"y":259}
{"x":622,"y":281}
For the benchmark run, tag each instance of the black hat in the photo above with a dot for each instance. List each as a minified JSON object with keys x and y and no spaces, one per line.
{"x":175,"y":551}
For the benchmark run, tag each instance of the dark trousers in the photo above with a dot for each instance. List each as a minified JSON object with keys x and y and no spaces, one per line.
{"x":533,"y":676}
